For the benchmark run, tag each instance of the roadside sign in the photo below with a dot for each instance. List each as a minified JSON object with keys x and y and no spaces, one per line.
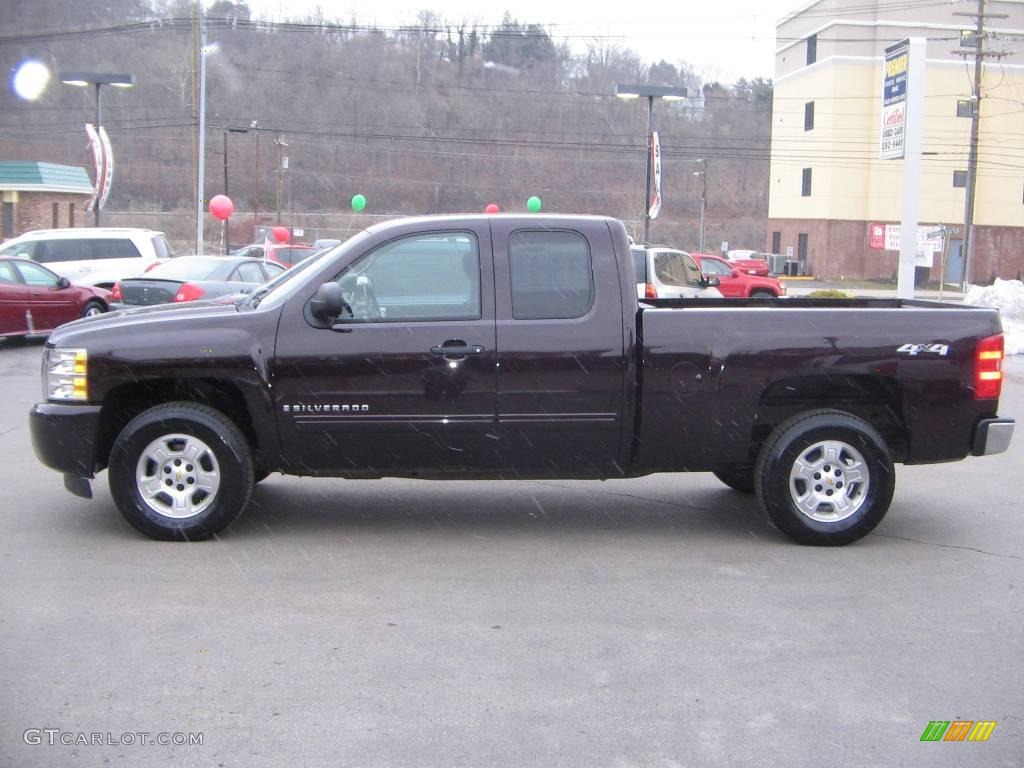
{"x":894,"y":100}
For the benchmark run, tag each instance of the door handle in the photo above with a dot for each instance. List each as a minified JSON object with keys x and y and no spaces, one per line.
{"x":456,"y":349}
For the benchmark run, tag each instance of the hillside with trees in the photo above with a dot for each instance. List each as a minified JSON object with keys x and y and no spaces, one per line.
{"x":437,"y":116}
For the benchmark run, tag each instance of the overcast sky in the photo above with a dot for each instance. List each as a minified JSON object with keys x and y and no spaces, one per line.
{"x":722,"y":39}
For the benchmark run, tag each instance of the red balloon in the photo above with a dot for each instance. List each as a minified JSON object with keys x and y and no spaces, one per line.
{"x":221,"y":207}
{"x":281,"y":234}
{"x":491,"y":208}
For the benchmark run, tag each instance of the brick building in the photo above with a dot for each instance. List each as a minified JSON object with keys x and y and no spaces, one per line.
{"x":42,"y":196}
{"x":828,"y":184}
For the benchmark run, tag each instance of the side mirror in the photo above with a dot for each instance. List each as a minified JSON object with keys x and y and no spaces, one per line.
{"x":63,"y":282}
{"x":713,"y":282}
{"x":735,"y":273}
{"x":327,"y":303}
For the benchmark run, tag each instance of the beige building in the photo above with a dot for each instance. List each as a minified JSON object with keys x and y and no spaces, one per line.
{"x":828,"y":184}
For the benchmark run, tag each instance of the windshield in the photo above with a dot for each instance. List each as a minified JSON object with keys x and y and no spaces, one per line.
{"x":186,"y":268}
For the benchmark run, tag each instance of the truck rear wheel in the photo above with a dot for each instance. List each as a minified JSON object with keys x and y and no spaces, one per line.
{"x":825,"y":477}
{"x":181,"y":471}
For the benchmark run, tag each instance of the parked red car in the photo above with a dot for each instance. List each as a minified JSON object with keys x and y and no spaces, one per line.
{"x":35,"y":300}
{"x":286,"y":254}
{"x":751,"y":262}
{"x":733,"y":282}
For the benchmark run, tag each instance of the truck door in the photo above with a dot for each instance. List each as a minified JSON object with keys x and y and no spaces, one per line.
{"x":561,"y":349}
{"x":404,"y":382}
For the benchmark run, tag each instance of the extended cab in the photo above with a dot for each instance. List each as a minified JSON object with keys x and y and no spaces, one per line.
{"x":514,"y":347}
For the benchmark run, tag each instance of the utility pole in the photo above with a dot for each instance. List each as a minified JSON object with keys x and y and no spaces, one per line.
{"x":282,"y":166}
{"x":703,"y":173}
{"x":974,"y":45}
{"x":256,"y":200}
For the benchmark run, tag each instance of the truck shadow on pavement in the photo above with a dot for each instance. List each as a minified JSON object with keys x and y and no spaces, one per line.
{"x":326,"y":507}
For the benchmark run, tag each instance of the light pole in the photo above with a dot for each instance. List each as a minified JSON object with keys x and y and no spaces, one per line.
{"x":703,"y":173}
{"x":650,"y":92}
{"x":97,"y":79}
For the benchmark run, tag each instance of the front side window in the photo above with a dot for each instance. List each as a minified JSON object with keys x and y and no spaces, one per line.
{"x":36,"y":275}
{"x":424,"y":277}
{"x":23,"y":250}
{"x":552,"y":275}
{"x":717,"y":268}
{"x":51,"y":251}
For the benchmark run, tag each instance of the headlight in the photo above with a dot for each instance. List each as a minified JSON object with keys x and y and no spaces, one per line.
{"x":65,"y":374}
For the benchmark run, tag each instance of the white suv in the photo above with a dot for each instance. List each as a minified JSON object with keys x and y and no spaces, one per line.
{"x":668,"y":273}
{"x":98,"y":256}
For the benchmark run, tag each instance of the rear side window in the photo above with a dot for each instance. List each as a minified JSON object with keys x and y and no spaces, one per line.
{"x":248,"y":273}
{"x":7,"y":273}
{"x":114,"y":248}
{"x":552,"y":275}
{"x":162,"y":248}
{"x":673,"y":268}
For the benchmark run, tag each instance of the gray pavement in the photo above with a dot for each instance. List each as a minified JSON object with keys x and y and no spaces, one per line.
{"x":653,"y":622}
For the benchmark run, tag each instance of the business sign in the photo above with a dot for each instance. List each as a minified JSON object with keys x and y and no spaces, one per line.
{"x":103,"y":164}
{"x":894,"y":101}
{"x":887,"y":237}
{"x":656,"y":165}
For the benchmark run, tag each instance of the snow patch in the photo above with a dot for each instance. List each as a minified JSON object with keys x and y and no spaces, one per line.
{"x":1008,"y":297}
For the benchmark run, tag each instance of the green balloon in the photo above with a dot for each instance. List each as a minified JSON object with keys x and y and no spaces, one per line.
{"x":358,"y":203}
{"x":533,"y":204}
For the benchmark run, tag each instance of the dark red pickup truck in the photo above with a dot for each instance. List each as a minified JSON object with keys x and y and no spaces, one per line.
{"x":514,"y":347}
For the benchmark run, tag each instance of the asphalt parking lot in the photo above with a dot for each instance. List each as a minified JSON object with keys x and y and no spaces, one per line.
{"x":652,"y":622}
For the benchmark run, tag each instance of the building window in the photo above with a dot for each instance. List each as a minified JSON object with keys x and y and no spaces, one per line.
{"x":776,"y":242}
{"x":56,"y":215}
{"x":8,"y":219}
{"x":805,"y":189}
{"x":809,"y":116}
{"x":71,"y":214}
{"x":812,"y":49}
{"x":960,"y":179}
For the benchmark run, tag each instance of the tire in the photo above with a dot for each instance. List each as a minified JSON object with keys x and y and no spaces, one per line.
{"x":164,"y":452}
{"x":762,"y":294}
{"x":738,"y":478}
{"x":93,"y":308}
{"x":857,"y":485}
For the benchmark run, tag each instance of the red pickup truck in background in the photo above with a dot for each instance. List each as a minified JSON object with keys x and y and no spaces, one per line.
{"x":734,"y":283}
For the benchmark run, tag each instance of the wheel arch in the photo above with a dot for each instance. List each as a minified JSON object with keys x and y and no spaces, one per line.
{"x":878,"y":400}
{"x":127,"y":401}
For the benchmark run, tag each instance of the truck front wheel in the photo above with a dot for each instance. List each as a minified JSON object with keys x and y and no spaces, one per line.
{"x":181,"y":471}
{"x":825,"y":477}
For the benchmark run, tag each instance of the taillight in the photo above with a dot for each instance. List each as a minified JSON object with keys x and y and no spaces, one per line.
{"x":650,"y":292}
{"x":115,"y":292}
{"x":189,"y":292}
{"x":988,"y":368}
{"x":154,"y":264}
